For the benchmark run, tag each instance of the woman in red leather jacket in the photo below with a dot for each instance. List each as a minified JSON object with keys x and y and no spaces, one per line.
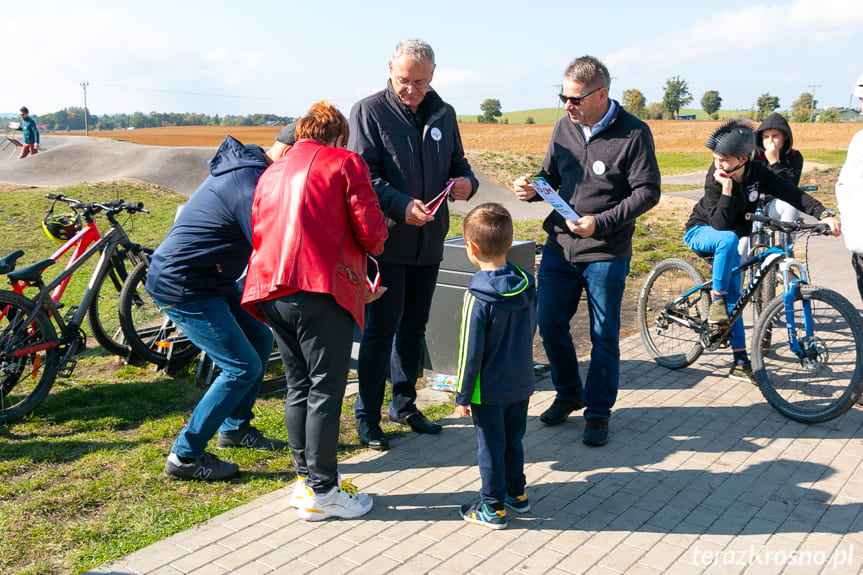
{"x":314,"y":219}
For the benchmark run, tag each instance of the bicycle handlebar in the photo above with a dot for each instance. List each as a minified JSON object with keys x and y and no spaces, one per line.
{"x":790,"y":227}
{"x":110,"y":206}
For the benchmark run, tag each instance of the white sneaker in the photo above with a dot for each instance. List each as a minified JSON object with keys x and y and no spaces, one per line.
{"x":341,"y":501}
{"x":300,"y":492}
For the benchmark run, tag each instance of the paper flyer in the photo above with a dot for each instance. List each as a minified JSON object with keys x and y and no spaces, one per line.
{"x":549,"y":195}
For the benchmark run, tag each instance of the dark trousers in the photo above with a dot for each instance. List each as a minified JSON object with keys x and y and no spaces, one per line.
{"x":560,"y":287}
{"x":314,"y":335}
{"x":393,"y":337}
{"x":499,"y":431}
{"x":857,"y":264}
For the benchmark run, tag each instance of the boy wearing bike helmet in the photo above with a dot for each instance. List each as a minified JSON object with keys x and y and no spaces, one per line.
{"x":849,"y":195}
{"x":718,"y":221}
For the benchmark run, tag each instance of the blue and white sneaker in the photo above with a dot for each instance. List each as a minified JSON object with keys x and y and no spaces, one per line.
{"x":519,"y":503}
{"x":482,"y":514}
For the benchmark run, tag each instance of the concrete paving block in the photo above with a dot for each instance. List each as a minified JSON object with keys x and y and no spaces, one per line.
{"x":287,"y":554}
{"x":242,"y":555}
{"x":203,"y":556}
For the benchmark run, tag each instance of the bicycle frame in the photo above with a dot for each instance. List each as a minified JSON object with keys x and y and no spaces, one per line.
{"x":713,"y":338}
{"x":82,"y":239}
{"x":105,"y":246}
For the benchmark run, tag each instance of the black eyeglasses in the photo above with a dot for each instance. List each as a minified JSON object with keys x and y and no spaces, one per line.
{"x":576,"y":100}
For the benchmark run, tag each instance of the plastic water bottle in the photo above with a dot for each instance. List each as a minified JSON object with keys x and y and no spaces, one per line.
{"x":441,"y":382}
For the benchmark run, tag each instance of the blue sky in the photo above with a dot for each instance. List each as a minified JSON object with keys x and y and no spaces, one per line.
{"x":221,"y":57}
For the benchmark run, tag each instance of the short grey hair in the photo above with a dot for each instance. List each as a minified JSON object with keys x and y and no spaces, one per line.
{"x":588,"y":71}
{"x":416,"y":49}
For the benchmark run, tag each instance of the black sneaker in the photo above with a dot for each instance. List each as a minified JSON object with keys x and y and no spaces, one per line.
{"x":560,"y":410}
{"x":482,"y":514}
{"x":208,"y":467}
{"x":251,"y":439}
{"x":596,"y":431}
{"x":517,"y":503}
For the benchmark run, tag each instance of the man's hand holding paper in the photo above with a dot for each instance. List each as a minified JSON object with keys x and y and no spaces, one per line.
{"x":547,"y":193}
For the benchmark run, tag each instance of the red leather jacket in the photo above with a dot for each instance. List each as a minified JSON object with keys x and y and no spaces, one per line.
{"x":314,"y":217}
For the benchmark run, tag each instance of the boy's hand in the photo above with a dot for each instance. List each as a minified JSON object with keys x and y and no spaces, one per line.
{"x":462,"y":410}
{"x":372,"y":296}
{"x":771,"y":152}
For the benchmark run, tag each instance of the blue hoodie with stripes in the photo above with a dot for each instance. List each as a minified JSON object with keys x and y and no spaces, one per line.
{"x":498,"y":322}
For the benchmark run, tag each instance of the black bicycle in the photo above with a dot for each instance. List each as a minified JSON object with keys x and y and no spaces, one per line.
{"x":807,"y":343}
{"x":38,"y":342}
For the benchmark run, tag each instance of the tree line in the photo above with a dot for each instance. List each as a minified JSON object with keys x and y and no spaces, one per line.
{"x":72,"y":118}
{"x":676,"y":95}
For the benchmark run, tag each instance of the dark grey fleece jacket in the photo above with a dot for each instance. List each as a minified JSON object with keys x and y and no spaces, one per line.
{"x":613,"y":177}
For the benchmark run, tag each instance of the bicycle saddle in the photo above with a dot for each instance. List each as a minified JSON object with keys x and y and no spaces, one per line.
{"x":31,"y":272}
{"x":7,"y":263}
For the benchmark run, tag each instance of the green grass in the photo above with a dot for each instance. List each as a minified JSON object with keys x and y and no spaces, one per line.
{"x":676,"y":163}
{"x":551,"y":115}
{"x":832,"y":157}
{"x":81,"y":478}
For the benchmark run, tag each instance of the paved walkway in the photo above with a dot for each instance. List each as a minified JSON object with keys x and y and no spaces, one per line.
{"x":699,"y":475}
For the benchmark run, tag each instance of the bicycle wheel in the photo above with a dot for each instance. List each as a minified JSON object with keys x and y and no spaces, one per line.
{"x":25,"y":380}
{"x":823,"y":382}
{"x":673,"y":344}
{"x":102,"y":316}
{"x":151,"y":334}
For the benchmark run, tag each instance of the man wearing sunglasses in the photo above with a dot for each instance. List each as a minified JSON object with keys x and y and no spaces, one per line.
{"x":602,"y":162}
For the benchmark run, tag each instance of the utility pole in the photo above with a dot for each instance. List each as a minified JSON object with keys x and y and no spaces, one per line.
{"x":86,"y":125}
{"x":560,"y":91}
{"x":812,"y":103}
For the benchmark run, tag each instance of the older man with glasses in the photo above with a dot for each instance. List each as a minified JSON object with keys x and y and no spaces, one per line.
{"x":602,"y":162}
{"x":410,"y":140}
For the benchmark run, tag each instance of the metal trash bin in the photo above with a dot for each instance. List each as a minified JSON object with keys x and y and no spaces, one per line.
{"x":442,"y":330}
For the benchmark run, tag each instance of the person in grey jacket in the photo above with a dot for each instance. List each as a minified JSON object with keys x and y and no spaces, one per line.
{"x":601,"y":159}
{"x":409,"y":138}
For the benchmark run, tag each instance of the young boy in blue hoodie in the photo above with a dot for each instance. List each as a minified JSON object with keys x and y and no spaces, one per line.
{"x":495,"y":366}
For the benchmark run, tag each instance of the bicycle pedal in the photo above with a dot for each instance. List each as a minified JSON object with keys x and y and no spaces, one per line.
{"x":67,"y":368}
{"x":70,"y":313}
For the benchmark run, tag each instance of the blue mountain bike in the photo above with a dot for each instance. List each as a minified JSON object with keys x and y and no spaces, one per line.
{"x":807,"y":342}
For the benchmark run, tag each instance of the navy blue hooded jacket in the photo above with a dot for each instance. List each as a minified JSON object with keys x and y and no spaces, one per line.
{"x":498,"y":321}
{"x":209,"y":245}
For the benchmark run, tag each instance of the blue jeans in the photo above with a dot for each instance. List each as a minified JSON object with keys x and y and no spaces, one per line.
{"x":315,"y":335}
{"x":499,"y":431}
{"x":723,"y":246}
{"x":560,"y":285}
{"x":393,"y":337}
{"x":240,"y":346}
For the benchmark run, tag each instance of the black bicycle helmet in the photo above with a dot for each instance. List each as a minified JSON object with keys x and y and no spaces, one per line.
{"x":61,"y":227}
{"x":735,"y":138}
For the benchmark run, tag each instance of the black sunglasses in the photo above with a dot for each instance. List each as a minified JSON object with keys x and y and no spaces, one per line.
{"x":576,"y":100}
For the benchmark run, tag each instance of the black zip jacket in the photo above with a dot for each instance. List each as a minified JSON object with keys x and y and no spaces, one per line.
{"x":729,"y":212}
{"x":409,"y":156}
{"x":614,"y":177}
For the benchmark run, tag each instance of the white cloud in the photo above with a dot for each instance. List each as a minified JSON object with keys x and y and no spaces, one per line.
{"x":734,"y":36}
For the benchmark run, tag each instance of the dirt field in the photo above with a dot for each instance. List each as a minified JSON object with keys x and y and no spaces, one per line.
{"x":670,"y":136}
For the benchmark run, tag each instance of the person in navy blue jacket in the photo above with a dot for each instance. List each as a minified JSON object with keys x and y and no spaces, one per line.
{"x":193,"y":279}
{"x":495,"y":365}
